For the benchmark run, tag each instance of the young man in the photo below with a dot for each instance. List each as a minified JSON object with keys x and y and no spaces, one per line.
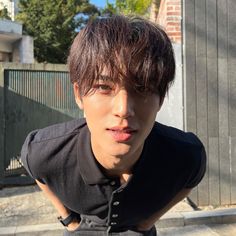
{"x":117,"y":171}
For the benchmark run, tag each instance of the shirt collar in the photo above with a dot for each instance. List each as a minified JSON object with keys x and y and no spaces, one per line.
{"x":88,"y":166}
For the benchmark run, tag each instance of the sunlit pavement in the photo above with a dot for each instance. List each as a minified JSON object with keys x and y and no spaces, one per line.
{"x":25,"y":211}
{"x":200,"y":230}
{"x":193,"y":230}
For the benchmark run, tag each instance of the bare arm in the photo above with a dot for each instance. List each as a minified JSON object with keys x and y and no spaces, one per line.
{"x":148,"y":223}
{"x":62,"y":210}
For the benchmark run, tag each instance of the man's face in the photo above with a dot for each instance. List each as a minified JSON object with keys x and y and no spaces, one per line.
{"x":118,"y":117}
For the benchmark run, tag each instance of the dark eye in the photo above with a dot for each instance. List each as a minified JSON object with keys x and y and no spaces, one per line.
{"x":103,"y":88}
{"x":140,"y":89}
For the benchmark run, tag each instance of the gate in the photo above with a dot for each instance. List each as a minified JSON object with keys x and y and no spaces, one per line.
{"x":32,"y":99}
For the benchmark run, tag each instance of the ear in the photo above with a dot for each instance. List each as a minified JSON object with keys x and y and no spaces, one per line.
{"x":78,"y":98}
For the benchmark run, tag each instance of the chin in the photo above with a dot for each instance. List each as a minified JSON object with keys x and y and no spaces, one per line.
{"x":120,"y":151}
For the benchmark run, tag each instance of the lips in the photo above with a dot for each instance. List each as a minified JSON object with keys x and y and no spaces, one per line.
{"x":121,"y":134}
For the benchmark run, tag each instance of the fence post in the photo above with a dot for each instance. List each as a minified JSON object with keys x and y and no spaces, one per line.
{"x":2,"y":125}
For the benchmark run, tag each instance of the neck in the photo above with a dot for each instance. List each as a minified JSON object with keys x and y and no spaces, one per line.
{"x":117,"y":165}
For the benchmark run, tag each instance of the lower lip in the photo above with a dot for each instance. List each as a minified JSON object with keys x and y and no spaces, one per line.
{"x":119,"y":136}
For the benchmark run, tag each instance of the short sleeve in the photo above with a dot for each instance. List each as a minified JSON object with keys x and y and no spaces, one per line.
{"x":25,"y":154}
{"x":199,"y":170}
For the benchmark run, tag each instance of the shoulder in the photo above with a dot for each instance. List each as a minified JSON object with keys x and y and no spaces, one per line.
{"x":172,"y":141}
{"x":180,"y":151}
{"x":57,"y":131}
{"x":175,"y":136}
{"x":51,"y":147}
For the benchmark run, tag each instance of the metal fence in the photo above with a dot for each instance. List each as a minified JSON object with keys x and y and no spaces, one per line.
{"x":30,"y":99}
{"x":210,"y":93}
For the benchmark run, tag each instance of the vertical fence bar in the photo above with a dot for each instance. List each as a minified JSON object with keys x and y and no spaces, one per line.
{"x":232,"y":96}
{"x":223,"y":91}
{"x":201,"y":90}
{"x":2,"y":125}
{"x":212,"y":99}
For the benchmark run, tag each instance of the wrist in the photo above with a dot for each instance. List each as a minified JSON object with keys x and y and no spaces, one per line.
{"x":70,"y":218}
{"x":144,"y":226}
{"x":73,"y":225}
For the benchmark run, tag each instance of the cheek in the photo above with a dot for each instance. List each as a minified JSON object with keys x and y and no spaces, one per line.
{"x":147,"y":119}
{"x":149,"y":109}
{"x":94,"y":109}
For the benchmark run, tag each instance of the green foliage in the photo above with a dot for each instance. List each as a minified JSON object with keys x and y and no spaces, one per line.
{"x":109,"y":9}
{"x":138,"y":7}
{"x":53,"y":25}
{"x":4,"y":14}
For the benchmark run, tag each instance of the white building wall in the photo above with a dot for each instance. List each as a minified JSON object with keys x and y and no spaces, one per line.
{"x":11,"y":6}
{"x":172,"y":112}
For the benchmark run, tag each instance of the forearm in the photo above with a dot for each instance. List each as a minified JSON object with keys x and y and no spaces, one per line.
{"x":62,"y":210}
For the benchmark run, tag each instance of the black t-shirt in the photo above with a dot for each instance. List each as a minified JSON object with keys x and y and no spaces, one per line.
{"x":61,"y":157}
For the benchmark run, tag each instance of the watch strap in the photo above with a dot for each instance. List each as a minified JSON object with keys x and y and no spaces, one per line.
{"x":66,"y":221}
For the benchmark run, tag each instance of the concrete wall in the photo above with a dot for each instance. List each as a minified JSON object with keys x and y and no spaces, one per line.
{"x":20,"y":48}
{"x":23,"y":50}
{"x":5,"y":47}
{"x":8,"y":26}
{"x":27,"y":49}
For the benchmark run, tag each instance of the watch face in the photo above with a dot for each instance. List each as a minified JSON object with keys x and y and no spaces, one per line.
{"x":63,"y":223}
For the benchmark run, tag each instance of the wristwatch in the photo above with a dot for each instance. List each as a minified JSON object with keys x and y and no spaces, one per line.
{"x":68,"y":219}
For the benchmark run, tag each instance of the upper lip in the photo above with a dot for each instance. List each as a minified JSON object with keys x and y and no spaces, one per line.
{"x":122,"y":129}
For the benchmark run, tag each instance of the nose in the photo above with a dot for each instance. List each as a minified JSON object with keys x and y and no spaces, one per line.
{"x":123,"y":104}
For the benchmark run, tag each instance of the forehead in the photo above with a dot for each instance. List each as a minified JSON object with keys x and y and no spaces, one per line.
{"x":125,"y":74}
{"x":116,"y":74}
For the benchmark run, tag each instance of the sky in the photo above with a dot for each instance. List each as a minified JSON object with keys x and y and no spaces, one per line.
{"x":100,"y":3}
